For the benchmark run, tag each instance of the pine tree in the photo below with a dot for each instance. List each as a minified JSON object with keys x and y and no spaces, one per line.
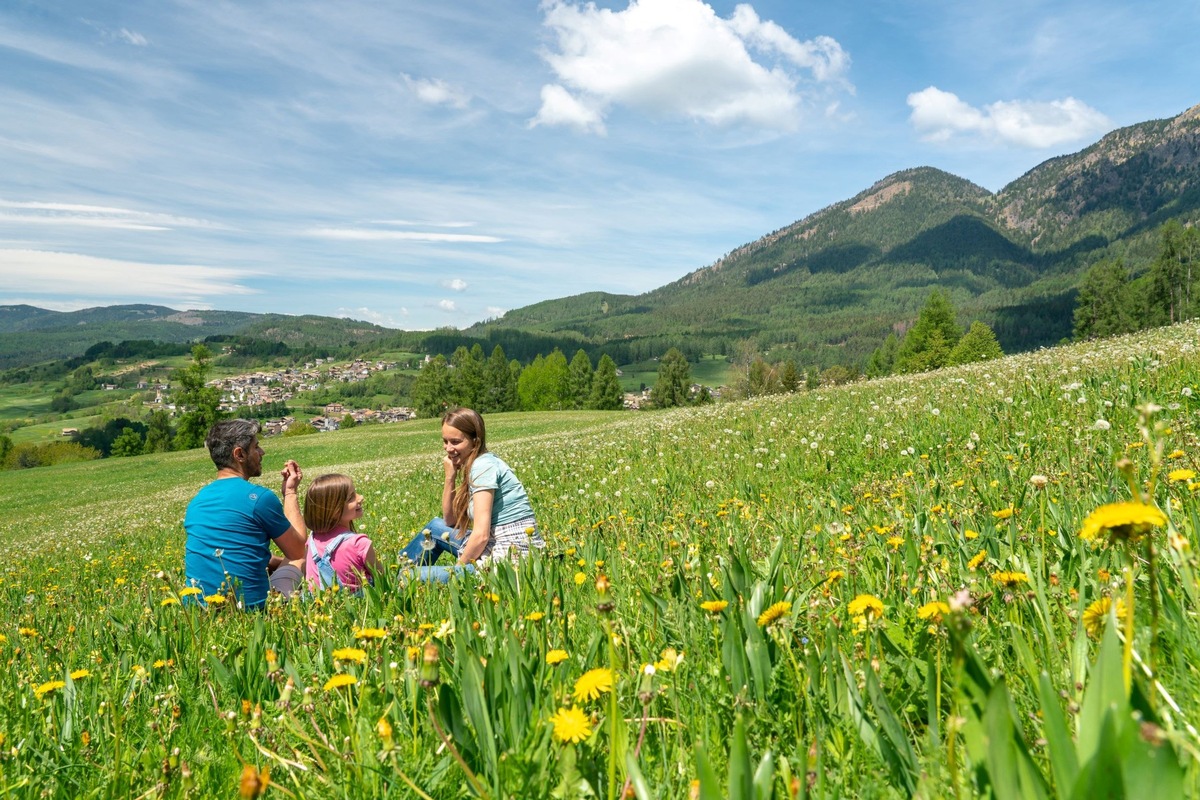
{"x":606,"y":394}
{"x":1104,"y":306}
{"x":789,"y":377}
{"x":467,"y":379}
{"x":431,"y":391}
{"x":500,"y":387}
{"x":928,"y":343}
{"x":579,"y":380}
{"x":674,"y":380}
{"x":883,"y":360}
{"x":977,"y":344}
{"x":203,"y":402}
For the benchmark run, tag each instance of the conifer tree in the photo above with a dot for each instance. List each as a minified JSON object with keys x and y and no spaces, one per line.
{"x":674,"y":380}
{"x":928,"y":343}
{"x":1104,"y":304}
{"x":606,"y":394}
{"x":431,"y":391}
{"x":579,"y":380}
{"x":977,"y":344}
{"x":202,"y":402}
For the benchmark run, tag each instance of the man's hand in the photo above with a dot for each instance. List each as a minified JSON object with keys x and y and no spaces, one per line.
{"x":291,"y":474}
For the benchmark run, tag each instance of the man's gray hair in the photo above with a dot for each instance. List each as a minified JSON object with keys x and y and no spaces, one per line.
{"x":225,"y":436}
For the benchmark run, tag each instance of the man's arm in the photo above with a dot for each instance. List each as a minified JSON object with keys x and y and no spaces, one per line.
{"x":292,"y":541}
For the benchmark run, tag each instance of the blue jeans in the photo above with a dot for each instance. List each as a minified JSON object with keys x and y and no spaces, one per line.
{"x":444,"y":539}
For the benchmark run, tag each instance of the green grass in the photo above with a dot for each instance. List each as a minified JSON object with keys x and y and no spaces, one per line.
{"x":786,"y":515}
{"x":710,"y":370}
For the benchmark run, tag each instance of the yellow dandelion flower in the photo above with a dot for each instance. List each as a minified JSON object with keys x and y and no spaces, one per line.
{"x":571,"y":725}
{"x":976,"y":560}
{"x":370,"y":633}
{"x":556,"y":657}
{"x":934,"y":610}
{"x":1127,"y":521}
{"x":216,"y":599}
{"x":714,"y":606}
{"x":668,"y":660}
{"x":190,"y":591}
{"x":48,"y":687}
{"x":169,"y":601}
{"x":970,"y":534}
{"x":773,"y":613}
{"x":895,"y":541}
{"x":350,"y":654}
{"x":535,"y":616}
{"x":593,"y":683}
{"x":162,"y":662}
{"x":1003,"y":513}
{"x":1179,"y":475}
{"x":340,"y":680}
{"x":27,"y":631}
{"x":580,"y":579}
{"x":1010,"y":579}
{"x":80,"y":674}
{"x":1096,"y":615}
{"x":835,"y":575}
{"x":866,"y":605}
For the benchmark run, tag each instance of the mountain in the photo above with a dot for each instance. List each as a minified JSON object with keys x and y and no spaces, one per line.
{"x":832,"y":285}
{"x":31,"y":335}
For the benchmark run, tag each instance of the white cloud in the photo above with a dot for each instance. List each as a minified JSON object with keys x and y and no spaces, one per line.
{"x":133,"y":37}
{"x":89,"y":216}
{"x":373,"y":235}
{"x":940,"y":116}
{"x":455,"y":284}
{"x":112,"y":280}
{"x":496,"y":311}
{"x":447,"y":305}
{"x":677,"y":58}
{"x":368,"y":315}
{"x":437,"y":92}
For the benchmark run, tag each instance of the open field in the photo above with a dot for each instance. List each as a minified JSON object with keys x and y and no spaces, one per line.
{"x":879,"y":590}
{"x":712,"y":371}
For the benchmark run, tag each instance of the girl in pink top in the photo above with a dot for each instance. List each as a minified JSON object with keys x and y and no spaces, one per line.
{"x":330,"y":507}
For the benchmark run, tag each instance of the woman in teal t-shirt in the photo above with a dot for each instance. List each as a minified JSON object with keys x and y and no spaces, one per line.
{"x":486,"y":514}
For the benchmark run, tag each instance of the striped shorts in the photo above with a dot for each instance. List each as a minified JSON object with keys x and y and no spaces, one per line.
{"x":513,"y":539}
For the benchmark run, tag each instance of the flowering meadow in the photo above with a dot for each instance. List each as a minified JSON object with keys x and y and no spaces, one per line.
{"x":970,"y":583}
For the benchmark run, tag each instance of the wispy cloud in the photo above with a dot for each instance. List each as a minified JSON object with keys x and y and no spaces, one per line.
{"x":941,"y":116}
{"x":370,"y":315}
{"x":677,"y":58}
{"x":39,"y":271}
{"x":132,"y":37}
{"x":91,"y":216}
{"x":455,"y":284}
{"x":437,"y":92}
{"x":376,"y":235}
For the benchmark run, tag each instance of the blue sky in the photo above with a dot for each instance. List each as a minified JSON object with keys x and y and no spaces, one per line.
{"x":420,"y":164}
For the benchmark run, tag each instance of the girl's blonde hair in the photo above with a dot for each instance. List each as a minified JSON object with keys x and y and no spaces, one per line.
{"x":325,"y":502}
{"x":471,"y":424}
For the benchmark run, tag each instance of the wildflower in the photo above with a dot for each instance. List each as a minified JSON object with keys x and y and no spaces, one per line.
{"x":556,"y":657}
{"x":1095,"y":615}
{"x":340,"y":680}
{"x":1179,"y":475}
{"x":370,"y":633}
{"x":1010,"y":579}
{"x":162,"y":662}
{"x":895,"y":542}
{"x":866,"y":605}
{"x":1003,"y":513}
{"x":48,"y":687}
{"x":773,"y":613}
{"x":189,"y":591}
{"x":535,"y":616}
{"x":1127,"y":521}
{"x":27,"y":631}
{"x":976,"y":560}
{"x":253,"y":783}
{"x":350,"y":654}
{"x":668,"y":660}
{"x":933,"y":610}
{"x":714,"y":606}
{"x":169,"y":601}
{"x":834,"y":575}
{"x":970,"y":534}
{"x":593,"y":683}
{"x":216,"y":600}
{"x":1176,"y":454}
{"x":80,"y":674}
{"x":571,"y":725}
{"x":580,"y":579}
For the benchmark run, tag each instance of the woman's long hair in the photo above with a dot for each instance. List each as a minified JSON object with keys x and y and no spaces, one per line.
{"x":471,"y":424}
{"x":325,"y":502}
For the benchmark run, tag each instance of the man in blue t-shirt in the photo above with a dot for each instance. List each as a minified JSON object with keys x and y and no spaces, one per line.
{"x":231,"y":522}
